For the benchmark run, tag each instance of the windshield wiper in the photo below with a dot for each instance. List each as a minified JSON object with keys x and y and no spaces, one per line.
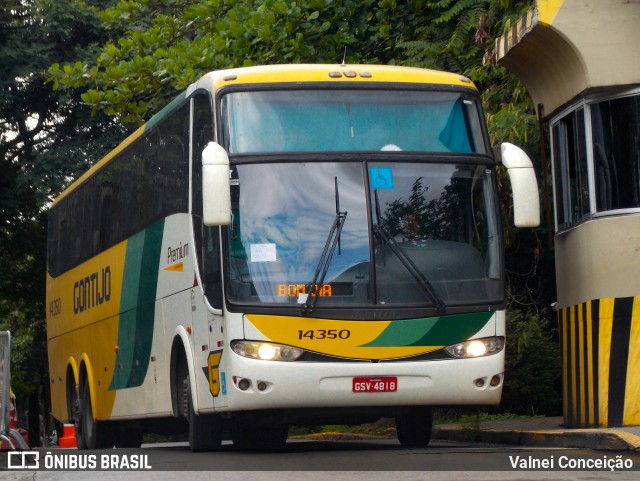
{"x":406,"y":261}
{"x":312,"y":289}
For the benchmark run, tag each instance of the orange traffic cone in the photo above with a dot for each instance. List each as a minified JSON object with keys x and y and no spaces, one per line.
{"x":68,"y":439}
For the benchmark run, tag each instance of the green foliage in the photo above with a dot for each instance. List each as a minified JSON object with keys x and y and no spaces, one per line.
{"x":533,"y":366}
{"x":168,"y":45}
{"x":35,"y":120}
{"x":46,"y":138}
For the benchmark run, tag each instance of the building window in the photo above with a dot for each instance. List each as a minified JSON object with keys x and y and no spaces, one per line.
{"x":571,"y":169}
{"x":616,"y":153}
{"x":596,"y":158}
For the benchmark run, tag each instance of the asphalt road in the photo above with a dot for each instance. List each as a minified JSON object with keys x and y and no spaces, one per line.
{"x":368,"y":460}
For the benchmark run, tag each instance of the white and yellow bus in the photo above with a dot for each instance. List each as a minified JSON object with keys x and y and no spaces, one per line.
{"x":284,"y":245}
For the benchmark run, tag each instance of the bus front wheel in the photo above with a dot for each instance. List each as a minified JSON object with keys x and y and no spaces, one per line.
{"x":414,"y":426}
{"x":205,"y":431}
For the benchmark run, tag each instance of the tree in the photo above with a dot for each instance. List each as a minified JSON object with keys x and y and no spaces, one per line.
{"x":46,"y":138}
{"x":533,"y":366}
{"x":170,"y":44}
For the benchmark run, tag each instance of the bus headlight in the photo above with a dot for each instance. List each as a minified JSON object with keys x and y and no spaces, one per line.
{"x":476,"y":347}
{"x":266,"y":351}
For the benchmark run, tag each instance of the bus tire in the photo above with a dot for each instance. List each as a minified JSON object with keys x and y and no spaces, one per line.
{"x":77,"y":423}
{"x":205,"y":431}
{"x":414,"y":426}
{"x":91,"y":434}
{"x":248,"y":436}
{"x":72,"y":397}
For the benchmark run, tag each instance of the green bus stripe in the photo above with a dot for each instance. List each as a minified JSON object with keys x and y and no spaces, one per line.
{"x":128,"y":308}
{"x":156,"y":119}
{"x":145,"y":318}
{"x":435,"y":331}
{"x":137,"y":307}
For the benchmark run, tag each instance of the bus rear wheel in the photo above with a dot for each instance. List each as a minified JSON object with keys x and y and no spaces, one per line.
{"x":91,"y":434}
{"x":414,"y":426}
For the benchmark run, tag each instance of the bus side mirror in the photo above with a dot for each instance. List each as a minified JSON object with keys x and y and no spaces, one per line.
{"x":526,"y":201}
{"x":216,"y":193}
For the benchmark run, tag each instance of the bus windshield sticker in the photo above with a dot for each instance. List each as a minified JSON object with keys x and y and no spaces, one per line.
{"x":381,"y":177}
{"x":263,"y":253}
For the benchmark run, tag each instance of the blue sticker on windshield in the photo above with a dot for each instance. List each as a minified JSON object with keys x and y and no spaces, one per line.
{"x":381,"y":177}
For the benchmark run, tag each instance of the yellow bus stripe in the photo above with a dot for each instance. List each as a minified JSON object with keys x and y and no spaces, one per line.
{"x":272,"y":74}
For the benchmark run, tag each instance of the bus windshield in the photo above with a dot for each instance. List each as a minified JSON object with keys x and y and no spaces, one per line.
{"x":351,"y":120}
{"x":430,"y":223}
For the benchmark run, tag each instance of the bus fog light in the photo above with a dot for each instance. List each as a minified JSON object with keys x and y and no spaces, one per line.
{"x":495,"y":380}
{"x":476,"y":347}
{"x":479,"y":382}
{"x":262,"y":386}
{"x":244,"y":384}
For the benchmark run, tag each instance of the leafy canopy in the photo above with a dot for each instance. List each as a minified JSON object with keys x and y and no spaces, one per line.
{"x":167,"y":44}
{"x":46,"y":138}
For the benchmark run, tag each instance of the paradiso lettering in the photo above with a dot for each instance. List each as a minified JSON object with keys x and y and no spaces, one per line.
{"x":92,"y":290}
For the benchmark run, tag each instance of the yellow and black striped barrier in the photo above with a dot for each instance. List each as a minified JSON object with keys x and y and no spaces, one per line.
{"x":600,"y":342}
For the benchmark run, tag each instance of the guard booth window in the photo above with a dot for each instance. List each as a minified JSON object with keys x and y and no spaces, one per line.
{"x":616,"y":153}
{"x":601,"y":137}
{"x":571,"y":169}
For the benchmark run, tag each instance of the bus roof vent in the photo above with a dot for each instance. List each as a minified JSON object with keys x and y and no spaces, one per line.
{"x":335,"y":74}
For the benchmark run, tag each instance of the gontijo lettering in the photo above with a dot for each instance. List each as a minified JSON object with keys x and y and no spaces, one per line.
{"x":92,"y":290}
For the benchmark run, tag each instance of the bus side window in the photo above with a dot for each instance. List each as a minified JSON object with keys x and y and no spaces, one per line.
{"x":212,"y":275}
{"x":207,"y":238}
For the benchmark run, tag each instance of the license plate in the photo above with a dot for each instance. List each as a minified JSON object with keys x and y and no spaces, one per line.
{"x":375,"y":384}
